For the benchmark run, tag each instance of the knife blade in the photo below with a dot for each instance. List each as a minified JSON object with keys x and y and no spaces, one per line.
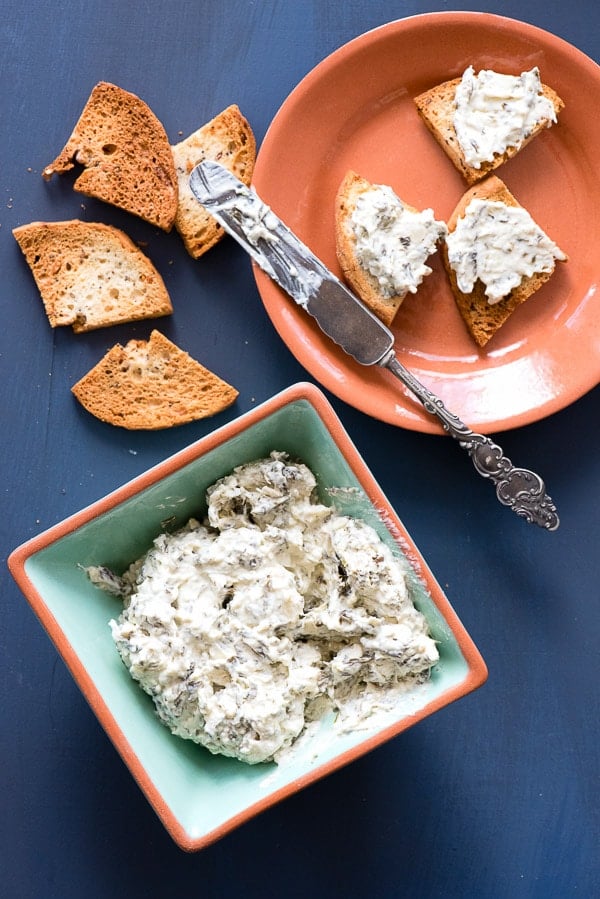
{"x":351,"y":325}
{"x":290,"y":263}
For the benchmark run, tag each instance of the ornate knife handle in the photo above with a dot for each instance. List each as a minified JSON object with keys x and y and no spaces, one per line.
{"x":521,"y":490}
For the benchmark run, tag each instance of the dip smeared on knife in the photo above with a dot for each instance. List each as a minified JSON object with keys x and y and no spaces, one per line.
{"x":244,"y":215}
{"x":271,"y":613}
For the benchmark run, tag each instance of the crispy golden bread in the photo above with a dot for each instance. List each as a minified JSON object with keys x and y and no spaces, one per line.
{"x":125,"y":154}
{"x":363,"y":283}
{"x":148,"y":385}
{"x":482,"y":318}
{"x":227,"y":139}
{"x":91,"y":275}
{"x":436,"y":108}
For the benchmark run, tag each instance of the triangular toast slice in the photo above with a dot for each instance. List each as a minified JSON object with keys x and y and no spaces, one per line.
{"x":125,"y":154}
{"x":482,"y":318}
{"x":227,"y":139}
{"x":436,"y":108}
{"x":153,"y":384}
{"x":91,"y":275}
{"x":365,"y":285}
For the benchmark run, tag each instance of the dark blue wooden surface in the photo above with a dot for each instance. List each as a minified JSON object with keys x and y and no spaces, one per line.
{"x":495,"y":796}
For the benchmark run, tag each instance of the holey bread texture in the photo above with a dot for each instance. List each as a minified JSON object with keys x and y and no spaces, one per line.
{"x":227,"y":139}
{"x":398,"y":239}
{"x":436,"y":107}
{"x":482,"y":317}
{"x":91,"y":275}
{"x":125,"y":154}
{"x":151,"y":384}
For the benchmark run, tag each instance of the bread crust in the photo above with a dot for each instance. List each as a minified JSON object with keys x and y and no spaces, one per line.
{"x":436,"y":108}
{"x":91,"y":275}
{"x":482,"y":318}
{"x":151,"y":385}
{"x":125,"y":154}
{"x":363,"y":283}
{"x":227,"y":139}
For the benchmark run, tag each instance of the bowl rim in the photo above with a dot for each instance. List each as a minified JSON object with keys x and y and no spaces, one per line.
{"x":476,"y":668}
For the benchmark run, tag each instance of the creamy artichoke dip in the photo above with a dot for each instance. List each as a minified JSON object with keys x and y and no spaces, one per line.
{"x":494,"y":112}
{"x":276,"y":609}
{"x":498,"y":245}
{"x":392,"y":242}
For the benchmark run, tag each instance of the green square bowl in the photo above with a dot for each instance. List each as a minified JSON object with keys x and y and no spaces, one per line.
{"x":199,"y":797}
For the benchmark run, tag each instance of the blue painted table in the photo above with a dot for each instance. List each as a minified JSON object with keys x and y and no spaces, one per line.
{"x":495,"y":796}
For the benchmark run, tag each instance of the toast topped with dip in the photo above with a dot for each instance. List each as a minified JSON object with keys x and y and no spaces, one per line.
{"x":125,"y":154}
{"x":496,"y":257}
{"x":91,"y":275}
{"x":382,"y":243}
{"x":151,"y":384}
{"x":227,"y":139}
{"x":482,"y":120}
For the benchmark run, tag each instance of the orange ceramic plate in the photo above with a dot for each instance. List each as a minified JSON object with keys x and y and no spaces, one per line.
{"x":355,"y":110}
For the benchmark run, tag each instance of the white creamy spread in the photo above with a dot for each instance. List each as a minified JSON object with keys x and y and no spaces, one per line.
{"x":494,"y":112}
{"x":247,"y":627}
{"x":258,"y":220}
{"x":258,"y":224}
{"x":392,"y":243}
{"x":498,"y":245}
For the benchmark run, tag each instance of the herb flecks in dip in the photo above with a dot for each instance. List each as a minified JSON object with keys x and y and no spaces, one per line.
{"x":275,"y":610}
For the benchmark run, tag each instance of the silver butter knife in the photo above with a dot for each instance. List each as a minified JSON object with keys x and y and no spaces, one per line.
{"x":350,"y":324}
